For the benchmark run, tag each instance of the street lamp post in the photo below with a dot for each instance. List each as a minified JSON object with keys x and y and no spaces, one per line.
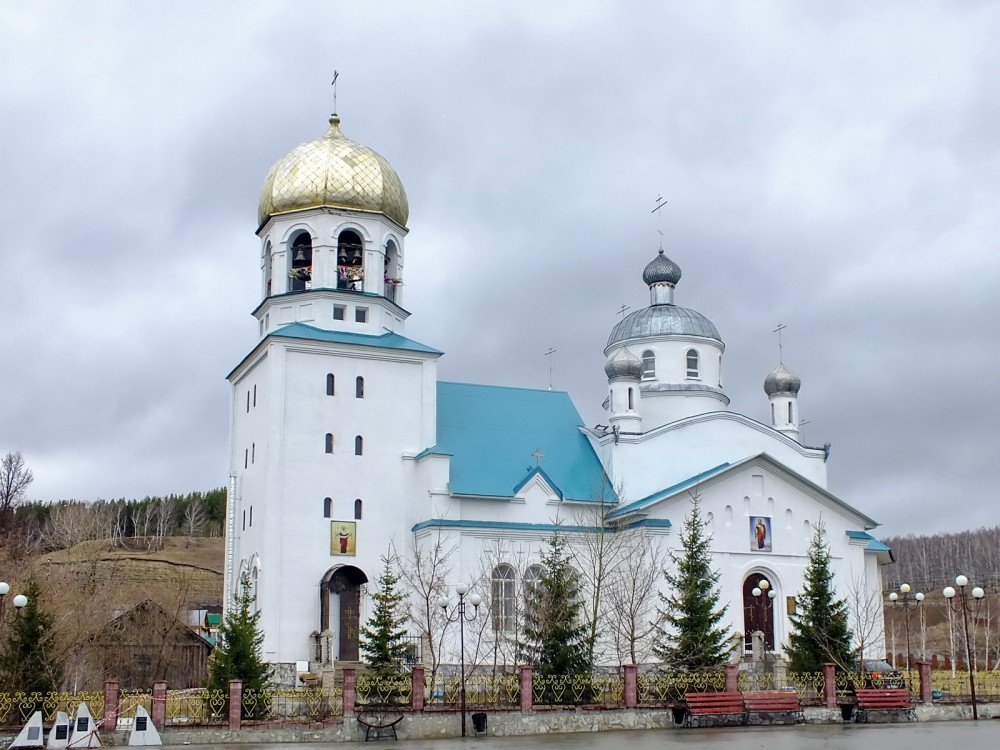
{"x":458,"y":615}
{"x":906,"y":601}
{"x":963,"y":605}
{"x":764,"y":597}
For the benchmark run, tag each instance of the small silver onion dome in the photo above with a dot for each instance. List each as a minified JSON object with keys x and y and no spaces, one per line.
{"x":661,"y":269}
{"x":623,"y":364}
{"x":782,"y":380}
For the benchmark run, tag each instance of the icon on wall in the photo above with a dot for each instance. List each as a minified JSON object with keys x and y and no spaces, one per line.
{"x":343,"y":538}
{"x":760,"y":533}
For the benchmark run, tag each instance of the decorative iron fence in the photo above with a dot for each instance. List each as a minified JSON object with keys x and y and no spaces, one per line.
{"x":16,"y":708}
{"x":955,"y":689}
{"x":807,"y":685}
{"x":499,"y":692}
{"x":665,"y":688}
{"x":197,"y":707}
{"x":294,"y":705}
{"x":372,"y":688}
{"x":578,"y":690}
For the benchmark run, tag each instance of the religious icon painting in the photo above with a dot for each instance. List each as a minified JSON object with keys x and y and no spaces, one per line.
{"x":760,"y":533}
{"x":343,"y":538}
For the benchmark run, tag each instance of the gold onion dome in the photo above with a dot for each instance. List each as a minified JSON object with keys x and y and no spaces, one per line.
{"x":333,"y":171}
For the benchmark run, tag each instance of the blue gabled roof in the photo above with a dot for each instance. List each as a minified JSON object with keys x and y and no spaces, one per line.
{"x":874,"y":545}
{"x":673,"y":489}
{"x":386,"y":340}
{"x":491,"y":433}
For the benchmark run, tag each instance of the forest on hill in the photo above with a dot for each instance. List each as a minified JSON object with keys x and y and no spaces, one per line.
{"x":931,"y":562}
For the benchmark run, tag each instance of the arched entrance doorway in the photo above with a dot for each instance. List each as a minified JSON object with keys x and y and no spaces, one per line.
{"x":758,"y":612}
{"x":345,"y":581}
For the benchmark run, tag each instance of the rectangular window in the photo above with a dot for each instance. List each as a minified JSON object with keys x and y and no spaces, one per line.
{"x":361,"y":315}
{"x":255,"y":395}
{"x":338,"y":312}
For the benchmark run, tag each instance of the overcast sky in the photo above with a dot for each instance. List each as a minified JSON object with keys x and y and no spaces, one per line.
{"x":834,"y":167}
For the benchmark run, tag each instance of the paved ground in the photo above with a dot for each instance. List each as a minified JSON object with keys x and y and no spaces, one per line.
{"x":944,"y":735}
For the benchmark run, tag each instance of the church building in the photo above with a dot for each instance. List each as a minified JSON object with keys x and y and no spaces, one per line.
{"x":344,"y":443}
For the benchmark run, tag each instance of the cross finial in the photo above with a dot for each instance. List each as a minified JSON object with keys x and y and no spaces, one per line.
{"x":333,"y":83}
{"x":538,"y":456}
{"x":660,"y":203}
{"x":549,"y":354}
{"x":622,"y":310}
{"x":778,"y":330}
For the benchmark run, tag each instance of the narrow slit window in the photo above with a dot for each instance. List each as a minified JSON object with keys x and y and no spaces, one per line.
{"x":358,"y":508}
{"x":246,"y":457}
{"x":327,"y":507}
{"x":790,"y":419}
{"x":329,"y":384}
{"x":329,"y":442}
{"x":255,"y":395}
{"x":359,"y":387}
{"x":248,"y":402}
{"x":359,"y":445}
{"x":253,"y":452}
{"x":631,"y":405}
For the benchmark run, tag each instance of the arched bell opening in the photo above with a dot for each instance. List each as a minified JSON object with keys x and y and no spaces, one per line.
{"x":759,"y":597}
{"x":300,"y":273}
{"x":350,"y":257}
{"x":344,"y":582}
{"x":267,"y":269}
{"x":392,"y":280}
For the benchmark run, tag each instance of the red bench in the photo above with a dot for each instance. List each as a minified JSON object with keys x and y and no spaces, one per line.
{"x":772,"y":703}
{"x":884,"y":700}
{"x":704,"y":706}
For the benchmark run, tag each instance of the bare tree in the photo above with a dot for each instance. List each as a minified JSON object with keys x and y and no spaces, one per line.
{"x":72,"y":522}
{"x":15,"y":478}
{"x":597,"y":552}
{"x":632,"y":596}
{"x":425,"y":569}
{"x":194,"y":519}
{"x":864,"y":606}
{"x":165,"y":513}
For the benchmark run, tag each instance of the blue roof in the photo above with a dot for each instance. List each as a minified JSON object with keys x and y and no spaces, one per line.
{"x":672,"y":489}
{"x":385,"y":341}
{"x":491,"y":433}
{"x":873,"y":544}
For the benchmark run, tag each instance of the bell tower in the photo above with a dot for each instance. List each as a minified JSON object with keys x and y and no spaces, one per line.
{"x":332,"y":224}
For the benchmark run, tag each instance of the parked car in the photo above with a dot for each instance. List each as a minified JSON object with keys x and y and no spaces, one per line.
{"x":880,"y":674}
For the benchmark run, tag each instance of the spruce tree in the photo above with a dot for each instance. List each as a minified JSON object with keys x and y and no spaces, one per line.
{"x":29,"y":662}
{"x":238,"y":655}
{"x":384,"y":636}
{"x":820,"y":631}
{"x":555,"y":633}
{"x":692,"y":639}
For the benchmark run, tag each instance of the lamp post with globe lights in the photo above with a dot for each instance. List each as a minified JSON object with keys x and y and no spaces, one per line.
{"x":906,"y":601}
{"x":764,"y":597}
{"x":20,"y":601}
{"x":459,"y":615}
{"x":965,"y":606}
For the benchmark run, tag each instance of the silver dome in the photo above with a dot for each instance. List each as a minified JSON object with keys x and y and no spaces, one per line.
{"x":661,"y":269}
{"x":663,"y":320}
{"x":782,"y":380}
{"x":624,"y":364}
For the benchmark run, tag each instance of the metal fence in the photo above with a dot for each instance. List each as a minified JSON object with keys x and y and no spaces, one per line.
{"x":498,"y":692}
{"x":668,"y":688}
{"x":16,"y":708}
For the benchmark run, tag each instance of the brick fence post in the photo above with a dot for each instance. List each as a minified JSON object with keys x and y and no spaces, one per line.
{"x":732,"y":672}
{"x":158,"y":709}
{"x":350,"y":690}
{"x":830,"y":685}
{"x":417,"y":688}
{"x":631,"y":685}
{"x":111,"y":693}
{"x":527,"y":700}
{"x":235,"y":704}
{"x":924,"y":669}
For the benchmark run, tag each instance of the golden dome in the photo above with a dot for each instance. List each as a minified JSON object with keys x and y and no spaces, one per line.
{"x":333,"y":171}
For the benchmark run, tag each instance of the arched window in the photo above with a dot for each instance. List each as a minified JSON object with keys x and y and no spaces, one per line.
{"x":391,"y":280}
{"x":531,"y":578}
{"x":648,"y":364}
{"x":327,"y":507}
{"x":358,"y":508}
{"x":300,"y":271}
{"x":359,"y":445}
{"x":692,"y":363}
{"x":329,"y":384}
{"x":267,"y":269}
{"x":350,"y":271}
{"x":329,"y":442}
{"x":502,"y":609}
{"x":359,"y":387}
